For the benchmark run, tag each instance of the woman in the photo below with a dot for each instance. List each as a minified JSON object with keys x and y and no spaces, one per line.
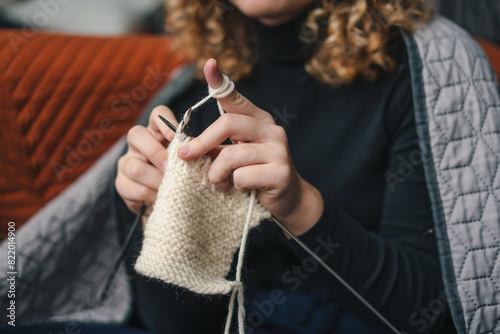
{"x":324,"y":110}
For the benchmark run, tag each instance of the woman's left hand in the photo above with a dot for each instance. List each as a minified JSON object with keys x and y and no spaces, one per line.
{"x":261,"y":160}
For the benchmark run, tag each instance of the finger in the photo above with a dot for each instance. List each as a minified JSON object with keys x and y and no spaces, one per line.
{"x":262,"y":177}
{"x":134,"y":206}
{"x":134,"y":194}
{"x":141,"y":172}
{"x":145,"y":146}
{"x":235,"y":102}
{"x":159,"y":129}
{"x":235,"y":127}
{"x":214,"y":153}
{"x":235,"y":156}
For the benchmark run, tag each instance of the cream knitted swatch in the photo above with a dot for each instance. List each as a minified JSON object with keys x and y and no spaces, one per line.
{"x":194,"y":230}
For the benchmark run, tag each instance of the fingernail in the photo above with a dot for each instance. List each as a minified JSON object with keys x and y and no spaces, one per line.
{"x":183,"y":150}
{"x":164,"y":165}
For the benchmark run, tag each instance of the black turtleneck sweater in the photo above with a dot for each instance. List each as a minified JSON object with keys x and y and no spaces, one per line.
{"x":358,"y":146}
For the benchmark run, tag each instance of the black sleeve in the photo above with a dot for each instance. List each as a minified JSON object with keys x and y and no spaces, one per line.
{"x":162,"y":307}
{"x":395,"y":268}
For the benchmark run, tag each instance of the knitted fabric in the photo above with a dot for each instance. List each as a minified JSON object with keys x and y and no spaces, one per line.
{"x":194,"y":230}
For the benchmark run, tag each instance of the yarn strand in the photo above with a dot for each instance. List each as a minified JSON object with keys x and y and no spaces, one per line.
{"x":238,"y":288}
{"x":224,"y":90}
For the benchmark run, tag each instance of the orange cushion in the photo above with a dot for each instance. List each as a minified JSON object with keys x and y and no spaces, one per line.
{"x":64,"y":101}
{"x":492,"y":50}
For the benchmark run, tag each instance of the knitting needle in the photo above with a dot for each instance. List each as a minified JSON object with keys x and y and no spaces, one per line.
{"x":334,"y":274}
{"x":173,"y":128}
{"x":170,"y":125}
{"x":316,"y":257}
{"x":118,"y":262}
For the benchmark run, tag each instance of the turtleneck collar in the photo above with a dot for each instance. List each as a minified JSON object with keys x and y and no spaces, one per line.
{"x":281,"y":43}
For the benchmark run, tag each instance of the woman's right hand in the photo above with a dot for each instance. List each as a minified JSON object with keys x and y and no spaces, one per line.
{"x":141,"y":169}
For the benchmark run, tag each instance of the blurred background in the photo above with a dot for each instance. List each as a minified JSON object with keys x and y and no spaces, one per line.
{"x":84,"y":17}
{"x":114,"y":17}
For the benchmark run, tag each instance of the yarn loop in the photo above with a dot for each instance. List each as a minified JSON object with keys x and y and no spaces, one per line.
{"x":223,"y":91}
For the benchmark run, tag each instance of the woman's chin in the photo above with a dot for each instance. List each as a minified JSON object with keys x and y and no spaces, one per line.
{"x":271,"y":12}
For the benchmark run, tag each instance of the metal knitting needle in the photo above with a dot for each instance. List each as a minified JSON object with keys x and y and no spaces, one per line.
{"x":174,"y":128}
{"x":170,"y":125}
{"x":334,"y":274}
{"x":317,"y":258}
{"x":124,"y":248}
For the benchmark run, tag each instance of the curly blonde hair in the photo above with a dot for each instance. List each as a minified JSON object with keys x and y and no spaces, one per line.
{"x":350,"y":39}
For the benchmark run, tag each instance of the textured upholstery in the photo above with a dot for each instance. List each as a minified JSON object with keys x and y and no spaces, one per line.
{"x":66,"y":251}
{"x":457,"y":112}
{"x":64,"y":100}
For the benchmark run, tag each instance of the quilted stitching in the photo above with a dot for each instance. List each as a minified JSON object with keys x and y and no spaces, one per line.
{"x":67,"y":250}
{"x":65,"y":255}
{"x":463,"y":109}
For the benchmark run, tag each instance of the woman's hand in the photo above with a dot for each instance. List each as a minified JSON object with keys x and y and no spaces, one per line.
{"x":141,"y":169}
{"x":260,"y":160}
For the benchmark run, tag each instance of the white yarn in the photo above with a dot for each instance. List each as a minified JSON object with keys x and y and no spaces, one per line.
{"x":239,"y":288}
{"x":194,"y":229}
{"x":224,"y":90}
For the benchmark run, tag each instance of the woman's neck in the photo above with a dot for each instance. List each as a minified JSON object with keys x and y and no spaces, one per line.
{"x":281,"y":42}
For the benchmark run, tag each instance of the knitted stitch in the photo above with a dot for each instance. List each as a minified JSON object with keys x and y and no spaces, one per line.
{"x":195,"y":229}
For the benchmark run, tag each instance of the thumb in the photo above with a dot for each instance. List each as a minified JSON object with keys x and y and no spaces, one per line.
{"x":234,"y":102}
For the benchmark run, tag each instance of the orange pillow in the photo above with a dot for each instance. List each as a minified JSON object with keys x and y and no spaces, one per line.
{"x":492,"y":50}
{"x":64,"y":101}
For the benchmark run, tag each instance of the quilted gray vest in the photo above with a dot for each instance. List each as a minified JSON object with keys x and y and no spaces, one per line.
{"x":457,"y":111}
